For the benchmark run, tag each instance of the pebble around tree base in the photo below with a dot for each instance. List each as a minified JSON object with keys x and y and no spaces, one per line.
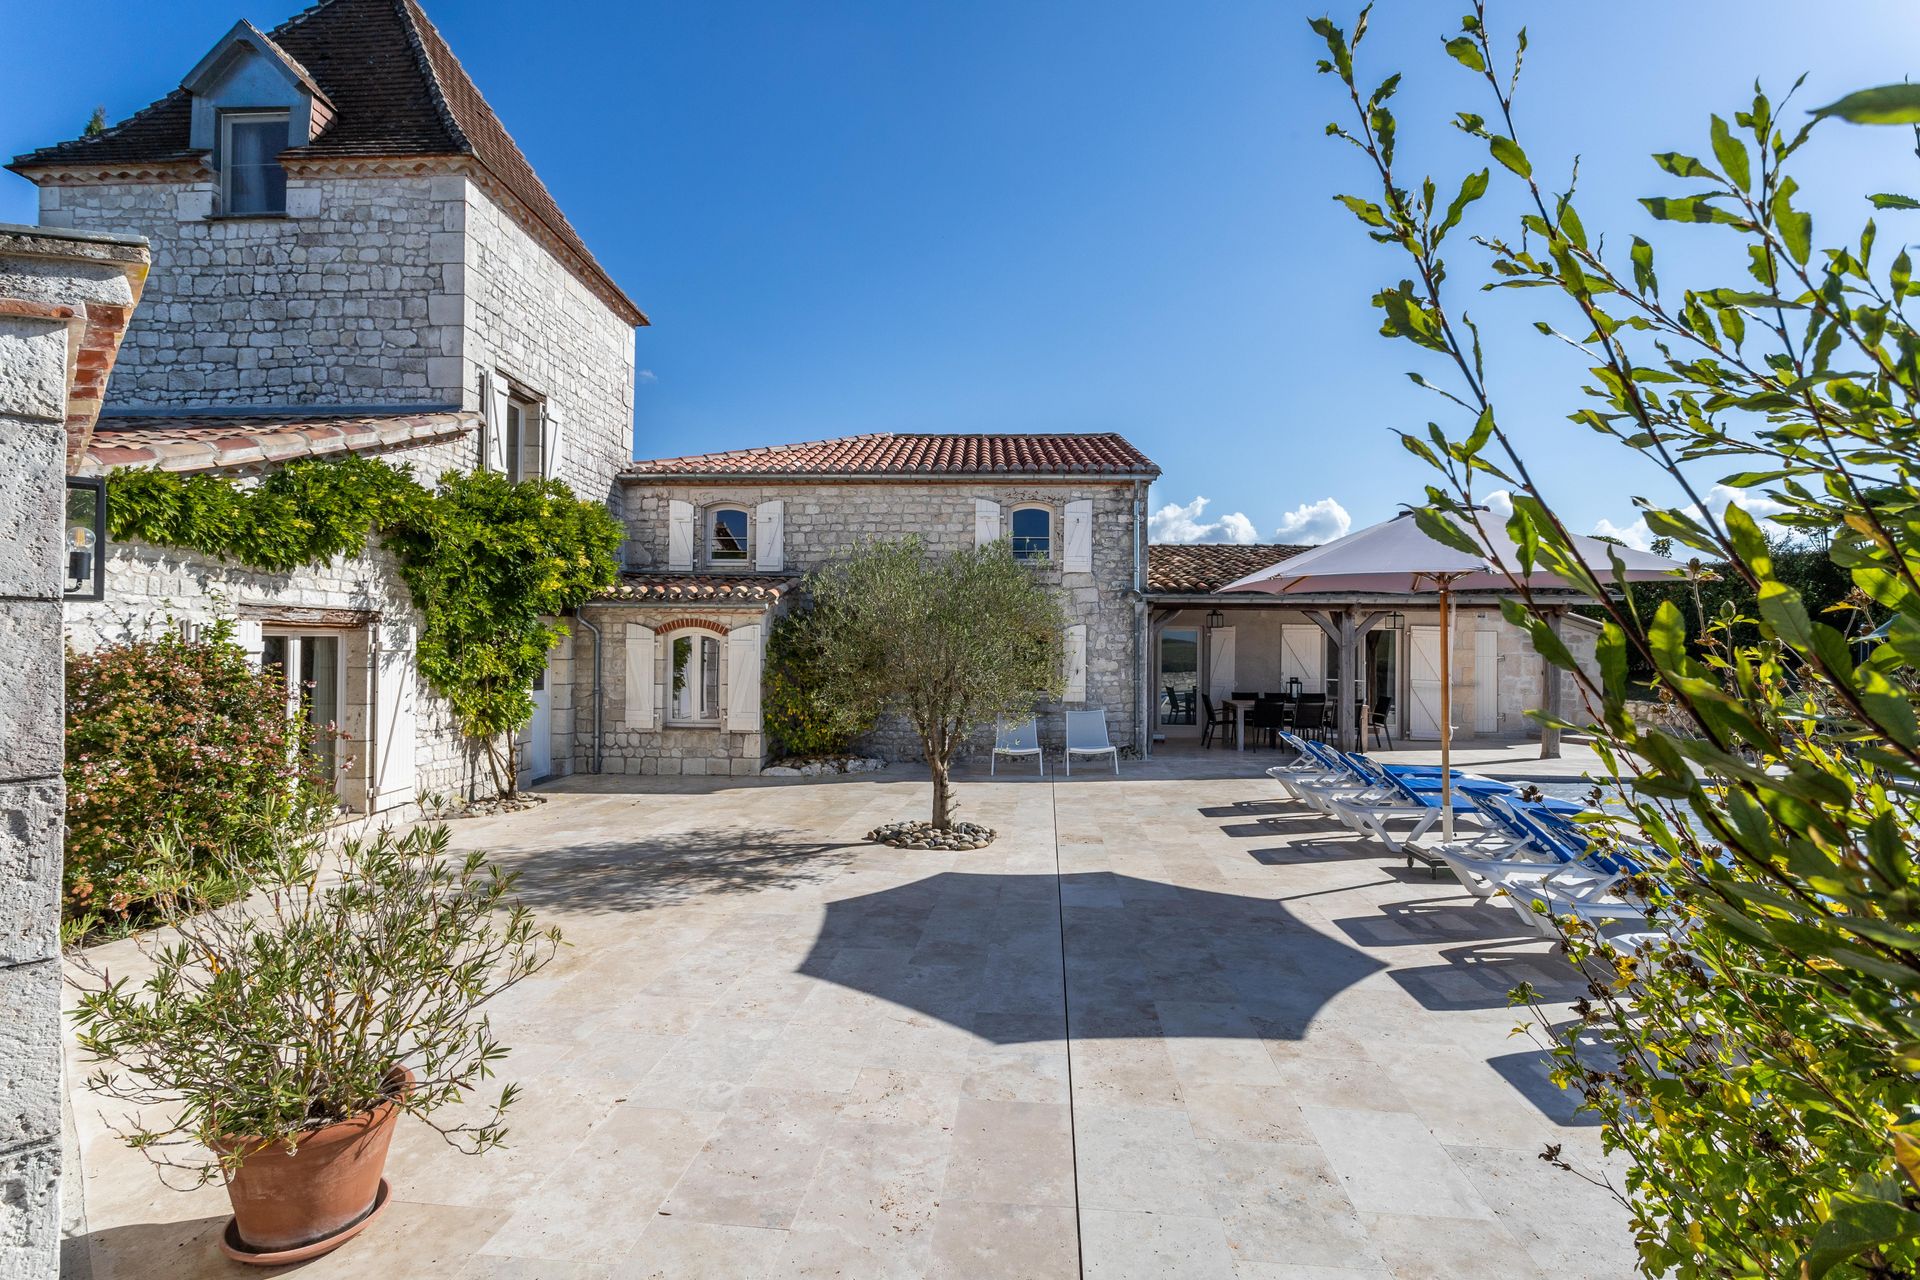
{"x":924,"y":835}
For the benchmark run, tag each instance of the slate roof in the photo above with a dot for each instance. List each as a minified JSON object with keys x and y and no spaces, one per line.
{"x":688,"y":588}
{"x":1197,"y":568}
{"x":396,"y":89}
{"x":894,"y":453}
{"x":184,"y":443}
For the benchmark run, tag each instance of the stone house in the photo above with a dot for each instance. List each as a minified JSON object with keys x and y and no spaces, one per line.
{"x":717,"y":543}
{"x":349,"y":254}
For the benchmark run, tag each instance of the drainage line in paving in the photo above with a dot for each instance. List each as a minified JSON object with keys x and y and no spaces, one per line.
{"x":1066,"y":1027}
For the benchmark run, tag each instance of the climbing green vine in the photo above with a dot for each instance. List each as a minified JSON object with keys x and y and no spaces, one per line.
{"x":489,"y":563}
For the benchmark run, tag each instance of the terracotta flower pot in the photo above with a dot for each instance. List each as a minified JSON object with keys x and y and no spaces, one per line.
{"x":287,"y":1208}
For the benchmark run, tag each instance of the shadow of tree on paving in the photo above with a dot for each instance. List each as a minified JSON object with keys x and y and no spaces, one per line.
{"x":659,"y":869}
{"x":1141,"y":958}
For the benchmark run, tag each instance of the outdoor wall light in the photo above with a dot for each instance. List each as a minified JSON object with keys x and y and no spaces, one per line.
{"x":86,"y":539}
{"x":1216,"y":619}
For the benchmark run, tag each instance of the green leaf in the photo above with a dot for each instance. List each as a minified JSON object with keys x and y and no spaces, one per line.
{"x":1643,"y":277}
{"x":1732,"y":154}
{"x":1472,"y":187}
{"x":1682,"y":166}
{"x":1466,"y":52}
{"x":1690,"y":209}
{"x":1887,"y":200}
{"x":1888,"y":104}
{"x":1365,"y":210}
{"x":1796,"y":228}
{"x":1508,"y":153}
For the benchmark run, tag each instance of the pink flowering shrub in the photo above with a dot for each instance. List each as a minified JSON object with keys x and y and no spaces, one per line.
{"x":167,"y":735}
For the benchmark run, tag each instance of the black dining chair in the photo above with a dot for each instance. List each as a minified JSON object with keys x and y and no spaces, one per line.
{"x":1266,"y":719}
{"x":1379,"y":720}
{"x":1219,"y":719}
{"x":1310,"y":721}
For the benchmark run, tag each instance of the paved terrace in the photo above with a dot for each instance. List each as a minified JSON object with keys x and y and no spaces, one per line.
{"x":1147,"y":1033}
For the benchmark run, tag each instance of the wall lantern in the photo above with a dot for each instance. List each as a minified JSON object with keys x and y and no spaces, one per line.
{"x":1216,"y":619}
{"x":85,"y":547}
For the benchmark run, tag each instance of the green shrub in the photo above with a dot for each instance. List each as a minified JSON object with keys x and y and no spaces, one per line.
{"x":800,"y":716}
{"x":170,"y":736}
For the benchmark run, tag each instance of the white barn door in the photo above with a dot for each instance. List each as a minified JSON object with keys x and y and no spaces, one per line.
{"x":1486,"y":682}
{"x":1303,"y":655}
{"x":1423,"y":679}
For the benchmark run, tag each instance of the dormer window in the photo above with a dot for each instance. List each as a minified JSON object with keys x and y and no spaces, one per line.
{"x":251,"y":179}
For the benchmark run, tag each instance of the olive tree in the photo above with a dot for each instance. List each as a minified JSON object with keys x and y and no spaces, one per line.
{"x":948,"y":643}
{"x":1758,"y":1067}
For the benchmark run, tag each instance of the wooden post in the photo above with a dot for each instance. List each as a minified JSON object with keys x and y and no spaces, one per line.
{"x":1550,"y":701}
{"x":1446,"y":719}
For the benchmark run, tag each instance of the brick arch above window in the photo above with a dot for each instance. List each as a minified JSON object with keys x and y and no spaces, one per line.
{"x":698,"y":624}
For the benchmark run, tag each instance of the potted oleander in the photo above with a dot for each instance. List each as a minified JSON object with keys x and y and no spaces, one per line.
{"x":282,"y":1037}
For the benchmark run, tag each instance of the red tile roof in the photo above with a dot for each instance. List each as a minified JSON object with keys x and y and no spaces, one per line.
{"x":687,"y":588}
{"x":1197,"y":568}
{"x":894,"y":453}
{"x":183,"y":443}
{"x":397,"y":90}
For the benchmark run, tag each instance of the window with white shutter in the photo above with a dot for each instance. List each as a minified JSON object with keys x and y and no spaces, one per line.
{"x":1078,"y":555}
{"x":743,"y":680}
{"x":770,"y":538}
{"x":494,"y":430}
{"x":679,"y":535}
{"x":551,"y":441}
{"x":639,"y":677}
{"x":395,"y":734}
{"x":986,"y":522}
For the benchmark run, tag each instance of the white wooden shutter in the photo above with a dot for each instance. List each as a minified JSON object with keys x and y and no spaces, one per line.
{"x":395,"y":735}
{"x":551,"y":442}
{"x":1076,"y":663}
{"x":1220,"y":670}
{"x":986,"y":522}
{"x":770,"y":536}
{"x":1486,"y":681}
{"x":743,"y":680}
{"x":246,"y":634}
{"x":640,"y":704}
{"x":1078,"y":557}
{"x":1303,"y":655}
{"x":495,"y":432}
{"x":679,"y":534}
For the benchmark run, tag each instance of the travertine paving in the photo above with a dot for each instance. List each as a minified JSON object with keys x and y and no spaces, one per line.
{"x":1164,"y":1026}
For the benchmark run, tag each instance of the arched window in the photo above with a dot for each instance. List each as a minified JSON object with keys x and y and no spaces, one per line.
{"x":727,"y":539}
{"x":695,"y":663}
{"x":1032,"y":530}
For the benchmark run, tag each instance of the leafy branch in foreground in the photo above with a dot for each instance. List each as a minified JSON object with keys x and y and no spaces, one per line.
{"x":1758,"y":1067}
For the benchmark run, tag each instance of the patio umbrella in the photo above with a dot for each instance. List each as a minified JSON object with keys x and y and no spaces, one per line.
{"x":1395,"y":556}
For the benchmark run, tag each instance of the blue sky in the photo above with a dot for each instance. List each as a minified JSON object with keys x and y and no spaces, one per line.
{"x":1077,"y":215}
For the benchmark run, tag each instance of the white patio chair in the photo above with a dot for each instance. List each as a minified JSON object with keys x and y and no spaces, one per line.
{"x":1087,"y":736}
{"x":1021,"y":739}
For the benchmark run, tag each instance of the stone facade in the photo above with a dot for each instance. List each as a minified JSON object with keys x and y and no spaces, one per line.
{"x":52,"y":290}
{"x":824,"y":519}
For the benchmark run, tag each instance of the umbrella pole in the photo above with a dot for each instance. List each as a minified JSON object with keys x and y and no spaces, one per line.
{"x":1446,"y":719}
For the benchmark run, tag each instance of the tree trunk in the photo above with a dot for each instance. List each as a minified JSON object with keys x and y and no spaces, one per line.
{"x":942,"y":793}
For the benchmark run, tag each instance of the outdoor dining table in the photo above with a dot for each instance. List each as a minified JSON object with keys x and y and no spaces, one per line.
{"x":1240,"y":706}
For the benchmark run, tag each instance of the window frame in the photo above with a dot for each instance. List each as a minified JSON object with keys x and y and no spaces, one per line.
{"x":250,"y":115}
{"x":524,"y":436}
{"x":744,"y":561}
{"x":1028,"y":556}
{"x":701,"y":678}
{"x":294,"y":641}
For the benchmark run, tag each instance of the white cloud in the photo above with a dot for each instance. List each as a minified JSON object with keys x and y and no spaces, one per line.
{"x":1499,"y":504}
{"x":1175,"y":523}
{"x":645,"y":375}
{"x":1719,"y":498}
{"x":1313,"y":523}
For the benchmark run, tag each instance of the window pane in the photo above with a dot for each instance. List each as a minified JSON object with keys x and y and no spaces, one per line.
{"x":320,"y":698}
{"x":709,"y":678}
{"x":682,"y":661}
{"x":729,"y":542}
{"x":512,"y":451}
{"x":1032,"y":533}
{"x":529,"y":452}
{"x":255,"y":181}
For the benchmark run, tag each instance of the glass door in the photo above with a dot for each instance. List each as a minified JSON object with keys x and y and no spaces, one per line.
{"x":1179,"y":683}
{"x":309,"y":665}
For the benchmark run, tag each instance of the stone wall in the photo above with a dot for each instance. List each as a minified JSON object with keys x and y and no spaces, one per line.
{"x":47,"y":284}
{"x":525,"y":314}
{"x":824,"y":520}
{"x":332,"y":304}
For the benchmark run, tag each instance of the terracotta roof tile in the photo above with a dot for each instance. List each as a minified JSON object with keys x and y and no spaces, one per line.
{"x":1196,"y":568}
{"x":688,"y":588}
{"x":901,"y":454}
{"x":397,"y":90}
{"x":185,"y":443}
